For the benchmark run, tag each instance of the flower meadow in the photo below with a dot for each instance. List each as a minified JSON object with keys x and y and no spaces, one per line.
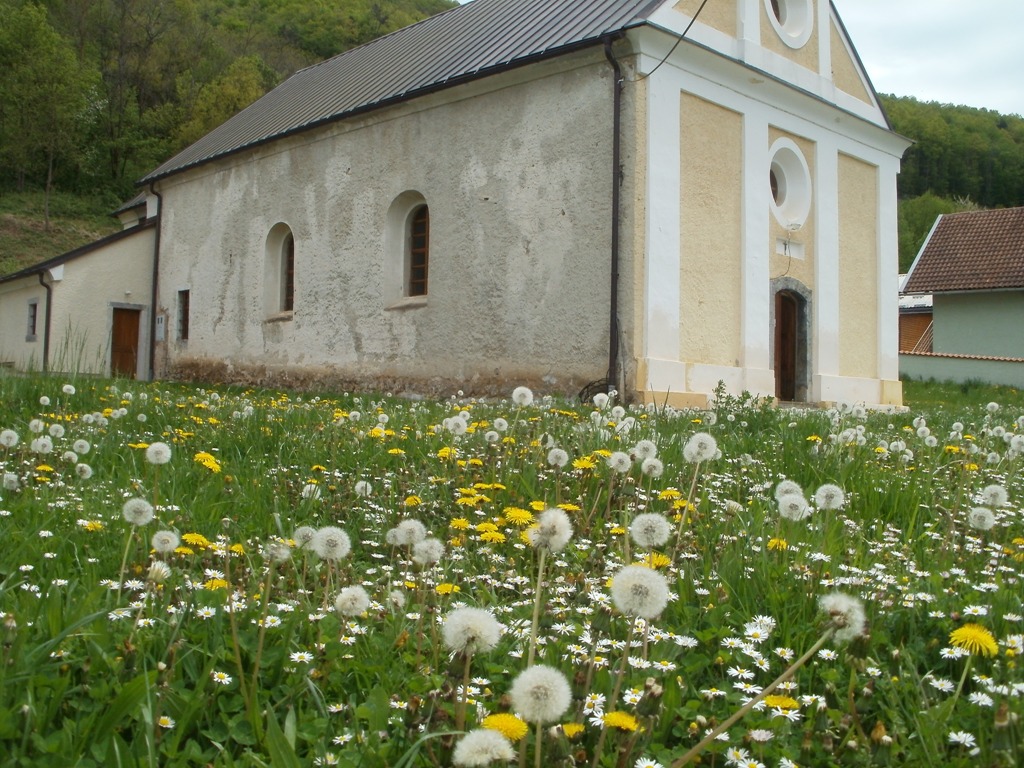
{"x":244,"y":578}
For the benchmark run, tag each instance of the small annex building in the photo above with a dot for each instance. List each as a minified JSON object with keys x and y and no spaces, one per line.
{"x":87,"y":310}
{"x":972,"y":265}
{"x":656,"y":196}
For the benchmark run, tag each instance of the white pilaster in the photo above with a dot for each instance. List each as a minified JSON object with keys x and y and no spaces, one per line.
{"x":888,"y":272}
{"x":661,"y":286}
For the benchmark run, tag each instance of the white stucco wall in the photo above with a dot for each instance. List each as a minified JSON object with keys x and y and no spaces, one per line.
{"x":517,"y":179}
{"x":85,"y":289}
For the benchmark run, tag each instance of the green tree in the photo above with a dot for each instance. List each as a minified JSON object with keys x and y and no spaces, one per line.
{"x":44,"y":98}
{"x":241,"y":84}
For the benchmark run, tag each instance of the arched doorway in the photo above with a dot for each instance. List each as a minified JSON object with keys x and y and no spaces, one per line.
{"x":791,"y":332}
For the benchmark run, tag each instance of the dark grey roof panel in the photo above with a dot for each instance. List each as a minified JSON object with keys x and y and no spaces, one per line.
{"x":481,"y":37}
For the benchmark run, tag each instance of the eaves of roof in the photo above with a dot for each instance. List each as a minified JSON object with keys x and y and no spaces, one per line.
{"x":83,"y":250}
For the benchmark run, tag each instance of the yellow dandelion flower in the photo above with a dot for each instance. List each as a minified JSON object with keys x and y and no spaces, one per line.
{"x":781,"y":702}
{"x":184,"y":551}
{"x":572,"y":730}
{"x":413,"y":501}
{"x":396,"y":451}
{"x":570,"y":507}
{"x":972,"y":467}
{"x":670,"y":494}
{"x":44,"y":468}
{"x":91,"y":525}
{"x":778,"y":544}
{"x":975,"y":639}
{"x":460,"y":524}
{"x":455,"y":541}
{"x":314,"y":468}
{"x":518,"y":516}
{"x":196,"y":540}
{"x":238,"y":549}
{"x":656,"y":560}
{"x":508,"y":725}
{"x":621,"y":720}
{"x":538,"y":506}
{"x":208,"y":460}
{"x":486,"y":527}
{"x":584,"y":462}
{"x":446,"y":453}
{"x":215,"y":584}
{"x":493,"y":537}
{"x":618,"y":530}
{"x":447,"y":589}
{"x":476,"y":462}
{"x":468,"y":501}
{"x":813,"y":438}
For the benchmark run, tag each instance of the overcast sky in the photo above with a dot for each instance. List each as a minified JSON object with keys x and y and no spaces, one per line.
{"x":951,"y":51}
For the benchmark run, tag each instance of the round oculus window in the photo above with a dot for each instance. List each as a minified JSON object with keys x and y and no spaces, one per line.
{"x":789,"y":183}
{"x":793,"y":20}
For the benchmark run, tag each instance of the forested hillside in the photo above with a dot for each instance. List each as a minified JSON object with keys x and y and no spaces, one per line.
{"x":95,"y":93}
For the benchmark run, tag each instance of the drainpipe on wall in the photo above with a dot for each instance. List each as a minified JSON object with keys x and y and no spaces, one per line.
{"x":613,"y":309}
{"x":46,"y":320}
{"x":156,"y":272}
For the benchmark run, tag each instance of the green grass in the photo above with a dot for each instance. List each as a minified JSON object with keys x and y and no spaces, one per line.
{"x":141,"y":668}
{"x":74,"y":221}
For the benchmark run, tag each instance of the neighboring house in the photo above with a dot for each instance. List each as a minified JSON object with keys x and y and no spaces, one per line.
{"x":87,"y":310}
{"x":915,"y":321}
{"x":973,"y":265}
{"x":563,"y":194}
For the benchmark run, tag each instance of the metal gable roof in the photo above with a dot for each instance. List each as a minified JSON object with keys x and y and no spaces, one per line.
{"x":473,"y":40}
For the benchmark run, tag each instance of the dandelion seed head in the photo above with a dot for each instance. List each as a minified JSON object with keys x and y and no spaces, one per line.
{"x":470,"y":630}
{"x":552,"y":531}
{"x":640,"y":591}
{"x":700,"y":447}
{"x":352,"y":601}
{"x":829,"y":496}
{"x":650,"y":529}
{"x":793,"y":507}
{"x":303,"y":536}
{"x":619,"y":462}
{"x":481,"y":747}
{"x":540,"y":694}
{"x":158,"y":453}
{"x":522,"y":396}
{"x":137,"y":511}
{"x":428,"y":551}
{"x":164,"y":542}
{"x":9,"y":438}
{"x":407,"y":533}
{"x":847,"y":615}
{"x":330,"y":543}
{"x":558,"y":458}
{"x":981,"y":518}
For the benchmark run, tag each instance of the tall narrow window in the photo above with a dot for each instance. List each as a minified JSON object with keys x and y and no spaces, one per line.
{"x":183,"y":315}
{"x":288,"y":274}
{"x":33,"y":320}
{"x":419,"y":251}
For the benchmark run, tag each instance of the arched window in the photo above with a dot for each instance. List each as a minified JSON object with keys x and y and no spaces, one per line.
{"x":419,"y":252}
{"x":406,"y":267}
{"x":288,"y":273}
{"x":279,"y":273}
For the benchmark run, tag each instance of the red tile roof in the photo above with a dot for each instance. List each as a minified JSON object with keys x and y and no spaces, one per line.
{"x":972,"y":251}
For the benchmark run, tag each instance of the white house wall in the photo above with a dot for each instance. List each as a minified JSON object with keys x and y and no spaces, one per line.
{"x":517,"y":180}
{"x":84,"y":292}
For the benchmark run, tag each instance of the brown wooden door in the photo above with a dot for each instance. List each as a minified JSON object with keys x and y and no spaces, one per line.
{"x":124,"y":347}
{"x":786,"y":315}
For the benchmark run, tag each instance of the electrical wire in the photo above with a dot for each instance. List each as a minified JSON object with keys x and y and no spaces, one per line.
{"x":678,"y":41}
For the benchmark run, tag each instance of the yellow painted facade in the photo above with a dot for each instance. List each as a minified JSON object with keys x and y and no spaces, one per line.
{"x":845,"y":74}
{"x":711,"y":247}
{"x":805,"y":56}
{"x":858,"y":267}
{"x":720,"y":16}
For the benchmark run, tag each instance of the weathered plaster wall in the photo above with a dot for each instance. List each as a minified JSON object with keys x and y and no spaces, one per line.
{"x":983,"y":323}
{"x":710,"y":279}
{"x":858,"y":268}
{"x":518,"y":184}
